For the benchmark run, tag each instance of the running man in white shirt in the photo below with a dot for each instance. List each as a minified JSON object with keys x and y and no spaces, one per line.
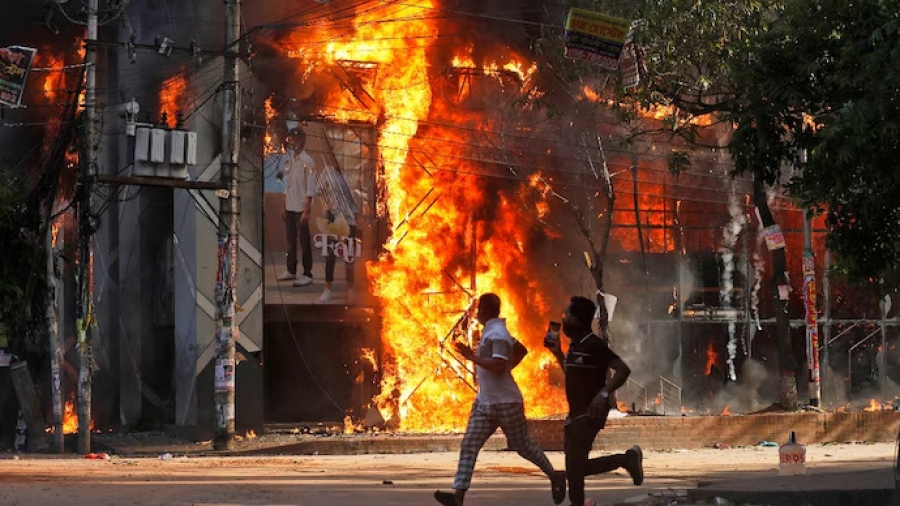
{"x":498,"y":403}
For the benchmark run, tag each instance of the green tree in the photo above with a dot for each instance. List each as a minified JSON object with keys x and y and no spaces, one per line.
{"x":804,"y":76}
{"x":22,"y":291}
{"x":696,"y":56}
{"x":849,"y":82}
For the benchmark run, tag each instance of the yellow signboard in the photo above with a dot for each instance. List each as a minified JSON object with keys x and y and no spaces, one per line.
{"x":595,"y":37}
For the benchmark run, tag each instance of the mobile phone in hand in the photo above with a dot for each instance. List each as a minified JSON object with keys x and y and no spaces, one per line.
{"x":551,"y":339}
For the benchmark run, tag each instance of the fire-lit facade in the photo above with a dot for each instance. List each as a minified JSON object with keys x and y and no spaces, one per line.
{"x":456,"y":178}
{"x":459,"y":213}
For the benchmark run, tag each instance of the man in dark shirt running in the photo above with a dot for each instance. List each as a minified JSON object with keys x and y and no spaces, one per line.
{"x":586,"y":365}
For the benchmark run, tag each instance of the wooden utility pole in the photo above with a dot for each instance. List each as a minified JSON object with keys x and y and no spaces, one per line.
{"x":88,"y":171}
{"x":229,"y":212}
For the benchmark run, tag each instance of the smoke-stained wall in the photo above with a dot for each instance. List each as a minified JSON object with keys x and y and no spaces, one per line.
{"x":157,"y":254}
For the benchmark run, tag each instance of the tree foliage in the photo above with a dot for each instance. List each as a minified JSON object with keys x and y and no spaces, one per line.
{"x":850,"y":84}
{"x":22,"y":309}
{"x":816,"y":77}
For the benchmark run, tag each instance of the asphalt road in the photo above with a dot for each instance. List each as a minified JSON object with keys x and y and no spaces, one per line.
{"x":501,"y":478}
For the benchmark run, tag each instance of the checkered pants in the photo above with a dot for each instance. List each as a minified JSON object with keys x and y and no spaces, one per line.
{"x":483,"y":421}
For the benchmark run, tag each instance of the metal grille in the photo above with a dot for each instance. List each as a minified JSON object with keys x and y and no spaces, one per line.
{"x":669,"y":396}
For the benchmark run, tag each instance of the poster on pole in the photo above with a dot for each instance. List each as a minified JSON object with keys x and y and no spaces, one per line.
{"x":595,"y":37}
{"x":812,"y":324}
{"x":15,"y":63}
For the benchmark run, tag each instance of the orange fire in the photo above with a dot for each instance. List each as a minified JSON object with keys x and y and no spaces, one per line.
{"x":657,"y":214}
{"x":444,"y":252}
{"x":55,"y":227}
{"x":662,"y":112}
{"x":656,"y":112}
{"x":171,"y":97}
{"x":70,"y":417}
{"x":711,"y":357}
{"x":622,"y":406}
{"x":54,"y":80}
{"x":270,"y":147}
{"x":873,"y":406}
{"x":368,"y":354}
{"x":51,"y":69}
{"x":726,"y":412}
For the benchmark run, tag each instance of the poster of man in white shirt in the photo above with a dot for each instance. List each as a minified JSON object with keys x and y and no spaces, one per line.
{"x":324,"y":174}
{"x":299,"y":178}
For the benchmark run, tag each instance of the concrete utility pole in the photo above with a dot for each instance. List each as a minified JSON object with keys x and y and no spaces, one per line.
{"x":810,"y":305}
{"x":229,"y":212}
{"x":85,"y":224}
{"x":56,"y":345}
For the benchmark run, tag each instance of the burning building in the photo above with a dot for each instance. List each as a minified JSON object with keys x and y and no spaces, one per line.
{"x":445,"y":175}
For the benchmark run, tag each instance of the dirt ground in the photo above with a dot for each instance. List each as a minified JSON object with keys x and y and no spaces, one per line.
{"x":501,"y":477}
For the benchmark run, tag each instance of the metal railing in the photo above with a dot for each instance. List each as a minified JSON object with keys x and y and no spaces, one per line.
{"x":634,"y":395}
{"x":850,"y":358}
{"x":669,"y":396}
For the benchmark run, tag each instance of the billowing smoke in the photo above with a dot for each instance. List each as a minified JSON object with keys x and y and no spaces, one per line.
{"x":752,"y":392}
{"x":731,"y":234}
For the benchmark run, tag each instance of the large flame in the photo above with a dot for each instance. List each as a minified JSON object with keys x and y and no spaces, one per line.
{"x":452,"y":237}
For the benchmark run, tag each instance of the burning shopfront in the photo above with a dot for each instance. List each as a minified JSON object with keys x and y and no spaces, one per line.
{"x":468,"y":187}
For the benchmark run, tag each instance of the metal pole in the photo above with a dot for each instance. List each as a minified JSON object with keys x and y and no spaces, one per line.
{"x":678,"y":366}
{"x":812,"y":324}
{"x":55,"y":335}
{"x":229,"y":212}
{"x":85,"y":267}
{"x":881,"y":359}
{"x":826,"y":331}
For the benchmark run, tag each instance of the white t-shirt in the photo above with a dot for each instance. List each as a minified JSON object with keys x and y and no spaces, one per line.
{"x":496,"y":387}
{"x":299,"y":180}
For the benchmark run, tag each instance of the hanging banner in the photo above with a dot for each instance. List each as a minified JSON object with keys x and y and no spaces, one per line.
{"x":631,"y":65}
{"x":15,"y":63}
{"x":595,"y":37}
